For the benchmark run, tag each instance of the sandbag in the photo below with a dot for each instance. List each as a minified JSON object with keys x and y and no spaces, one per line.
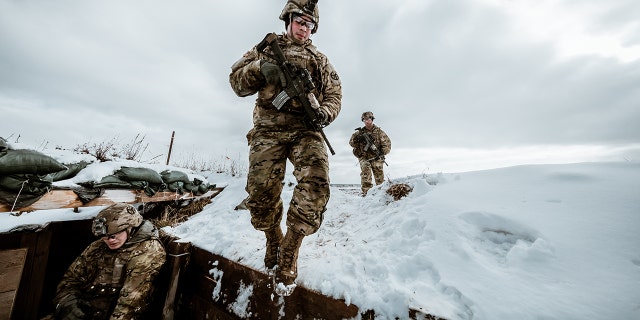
{"x":139,"y":174}
{"x":24,"y":161}
{"x":112,"y":181}
{"x":170,"y":177}
{"x":72,"y":170}
{"x":176,"y":186}
{"x":26,"y":183}
{"x":197,"y":187}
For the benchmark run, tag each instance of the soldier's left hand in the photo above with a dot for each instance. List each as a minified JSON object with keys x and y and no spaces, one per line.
{"x":73,"y":308}
{"x":273,"y":74}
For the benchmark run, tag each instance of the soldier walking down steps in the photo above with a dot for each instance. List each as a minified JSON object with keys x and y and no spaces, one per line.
{"x":370,"y":145}
{"x":283,"y":130}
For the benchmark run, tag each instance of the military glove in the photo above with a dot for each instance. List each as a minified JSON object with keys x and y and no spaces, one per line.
{"x":72,"y":308}
{"x":273,"y":74}
{"x":323,"y":117}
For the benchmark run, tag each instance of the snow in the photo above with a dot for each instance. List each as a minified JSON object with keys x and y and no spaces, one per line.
{"x":523,"y":242}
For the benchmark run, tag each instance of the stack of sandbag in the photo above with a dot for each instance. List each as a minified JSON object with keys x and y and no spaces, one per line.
{"x":25,"y":174}
{"x":151,"y":181}
{"x":179,"y":182}
{"x":27,"y":170}
{"x":133,"y":178}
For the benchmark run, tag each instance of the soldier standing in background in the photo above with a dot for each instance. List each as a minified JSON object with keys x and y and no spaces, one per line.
{"x":370,"y":145}
{"x":281,"y":134}
{"x":112,"y":278}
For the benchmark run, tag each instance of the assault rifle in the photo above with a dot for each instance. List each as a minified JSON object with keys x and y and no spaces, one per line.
{"x":299,"y":86}
{"x":371,"y":145}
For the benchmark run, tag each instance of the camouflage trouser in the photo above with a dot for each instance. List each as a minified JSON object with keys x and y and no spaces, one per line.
{"x":367,"y":167}
{"x":268,"y":154}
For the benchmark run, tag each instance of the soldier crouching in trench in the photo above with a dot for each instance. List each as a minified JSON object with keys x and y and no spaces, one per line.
{"x":113,"y":277}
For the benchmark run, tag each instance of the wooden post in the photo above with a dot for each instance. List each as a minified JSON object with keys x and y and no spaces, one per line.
{"x":170,"y":147}
{"x":177,"y":259}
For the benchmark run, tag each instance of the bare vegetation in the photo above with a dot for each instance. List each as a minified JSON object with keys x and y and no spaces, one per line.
{"x":111,"y":149}
{"x":172,"y":214}
{"x":399,"y":191}
{"x":224,"y":164}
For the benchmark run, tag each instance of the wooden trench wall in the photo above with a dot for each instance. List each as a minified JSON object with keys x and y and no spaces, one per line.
{"x":194,"y":283}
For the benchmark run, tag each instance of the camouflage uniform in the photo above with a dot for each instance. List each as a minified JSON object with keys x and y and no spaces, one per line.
{"x":116,"y":283}
{"x":282,"y":134}
{"x":369,"y":160}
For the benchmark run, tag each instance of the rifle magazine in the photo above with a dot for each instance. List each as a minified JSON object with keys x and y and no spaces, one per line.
{"x":280,"y":99}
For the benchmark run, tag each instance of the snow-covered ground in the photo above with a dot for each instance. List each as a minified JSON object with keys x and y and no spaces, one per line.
{"x":525,"y":242}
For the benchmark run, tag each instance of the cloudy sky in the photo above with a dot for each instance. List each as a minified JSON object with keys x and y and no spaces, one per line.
{"x":457,"y":85}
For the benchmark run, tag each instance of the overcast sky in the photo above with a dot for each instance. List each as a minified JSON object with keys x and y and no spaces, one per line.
{"x":457,"y":85}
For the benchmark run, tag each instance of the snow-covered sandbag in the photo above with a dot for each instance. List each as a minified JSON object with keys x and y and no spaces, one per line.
{"x":112,"y":181}
{"x":139,"y":174}
{"x":26,"y":183}
{"x":174,"y":176}
{"x":28,"y":161}
{"x":72,"y":171}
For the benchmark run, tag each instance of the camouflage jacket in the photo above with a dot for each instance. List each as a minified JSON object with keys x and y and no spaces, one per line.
{"x":117,"y":283}
{"x":359,"y":144}
{"x":246,"y":79}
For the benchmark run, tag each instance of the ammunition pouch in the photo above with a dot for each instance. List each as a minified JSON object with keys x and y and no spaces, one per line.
{"x":103,"y":299}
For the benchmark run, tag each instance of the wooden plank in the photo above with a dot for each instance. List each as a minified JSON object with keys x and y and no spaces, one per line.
{"x":59,"y":199}
{"x":199,"y":308}
{"x":177,"y":258}
{"x":20,"y":305}
{"x":11,"y":265}
{"x":6,"y":304}
{"x":220,"y":290}
{"x":38,"y":272}
{"x":50,"y":200}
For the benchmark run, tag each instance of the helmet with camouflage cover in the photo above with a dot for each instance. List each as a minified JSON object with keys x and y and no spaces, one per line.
{"x":115,"y":218}
{"x":367,"y":115}
{"x":307,"y":8}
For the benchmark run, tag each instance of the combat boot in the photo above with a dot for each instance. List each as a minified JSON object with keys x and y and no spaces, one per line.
{"x":274,"y":240}
{"x":288,"y":264}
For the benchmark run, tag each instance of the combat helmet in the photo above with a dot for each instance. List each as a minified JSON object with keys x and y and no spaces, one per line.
{"x":115,"y":218}
{"x":367,"y":115}
{"x":307,"y":8}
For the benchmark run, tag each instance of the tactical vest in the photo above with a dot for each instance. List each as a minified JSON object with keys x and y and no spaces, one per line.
{"x":361,"y":151}
{"x":303,"y":57}
{"x":104,"y":291}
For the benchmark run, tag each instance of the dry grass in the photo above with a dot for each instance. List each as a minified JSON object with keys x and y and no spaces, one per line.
{"x":175,"y":213}
{"x":399,"y":191}
{"x":110,"y":149}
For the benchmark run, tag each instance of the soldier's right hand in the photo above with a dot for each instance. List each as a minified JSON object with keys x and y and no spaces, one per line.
{"x":273,"y":74}
{"x":323,"y":117}
{"x":72,"y":308}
